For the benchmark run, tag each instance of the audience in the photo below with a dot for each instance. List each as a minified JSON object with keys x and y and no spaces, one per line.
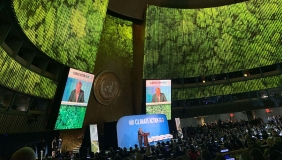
{"x":193,"y":153}
{"x":256,"y":154}
{"x":249,"y":140}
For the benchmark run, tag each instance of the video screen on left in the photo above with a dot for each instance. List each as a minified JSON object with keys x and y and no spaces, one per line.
{"x":75,"y":99}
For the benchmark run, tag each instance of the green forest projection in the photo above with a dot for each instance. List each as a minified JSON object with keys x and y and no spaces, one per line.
{"x":226,"y":89}
{"x":66,"y":30}
{"x":182,"y":43}
{"x":17,"y":77}
{"x":116,"y":40}
{"x":70,"y":117}
{"x":159,"y":109}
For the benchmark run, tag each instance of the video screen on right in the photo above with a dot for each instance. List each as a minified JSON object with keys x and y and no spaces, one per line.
{"x":158,"y":97}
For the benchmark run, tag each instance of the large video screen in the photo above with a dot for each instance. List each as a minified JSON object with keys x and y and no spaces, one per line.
{"x":68,"y":31}
{"x":132,"y":129}
{"x":74,"y":100}
{"x":158,"y":97}
{"x":15,"y":76}
{"x":183,"y":43}
{"x":94,"y":138}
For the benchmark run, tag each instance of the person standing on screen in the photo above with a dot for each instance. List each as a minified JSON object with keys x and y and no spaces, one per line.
{"x":158,"y":96}
{"x":77,"y":95}
{"x":140,"y":137}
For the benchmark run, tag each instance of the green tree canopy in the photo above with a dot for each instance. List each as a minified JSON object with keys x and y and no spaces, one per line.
{"x":181,"y":43}
{"x":66,"y":30}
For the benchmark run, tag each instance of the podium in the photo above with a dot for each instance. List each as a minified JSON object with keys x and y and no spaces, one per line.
{"x":145,"y":135}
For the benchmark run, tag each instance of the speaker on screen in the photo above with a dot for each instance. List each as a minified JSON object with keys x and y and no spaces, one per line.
{"x":158,"y":97}
{"x":74,"y":100}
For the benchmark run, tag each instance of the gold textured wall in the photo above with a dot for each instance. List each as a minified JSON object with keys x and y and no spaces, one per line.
{"x":117,"y":54}
{"x":114,"y":54}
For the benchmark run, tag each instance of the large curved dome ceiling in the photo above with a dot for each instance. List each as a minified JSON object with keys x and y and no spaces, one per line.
{"x":137,"y":8}
{"x":181,"y":43}
{"x":66,"y":30}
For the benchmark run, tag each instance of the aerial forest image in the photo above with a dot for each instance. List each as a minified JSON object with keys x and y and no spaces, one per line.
{"x":16,"y":77}
{"x":181,"y":43}
{"x":159,"y":109}
{"x":70,"y":117}
{"x":66,"y":30}
{"x":227,"y":89}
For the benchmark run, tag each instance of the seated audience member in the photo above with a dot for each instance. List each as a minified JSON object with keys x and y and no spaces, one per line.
{"x":144,"y":158}
{"x":138,"y":156}
{"x":238,"y":142}
{"x":178,"y":152}
{"x":178,"y":158}
{"x":131,"y":150}
{"x":270,"y":142}
{"x":206,"y":155}
{"x":275,"y":155}
{"x":233,"y":145}
{"x":246,"y":154}
{"x":25,"y":153}
{"x":117,"y":158}
{"x":166,"y":154}
{"x":274,"y":134}
{"x":274,"y":145}
{"x":193,"y":153}
{"x":256,"y":154}
{"x":226,"y":145}
{"x":212,"y":151}
{"x":247,"y":137}
{"x":185,"y":157}
{"x":264,"y":139}
{"x":220,"y":157}
{"x":148,"y":150}
{"x":278,"y":141}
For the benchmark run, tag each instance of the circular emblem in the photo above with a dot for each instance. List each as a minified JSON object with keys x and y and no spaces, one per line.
{"x":106,"y":87}
{"x":131,"y":122}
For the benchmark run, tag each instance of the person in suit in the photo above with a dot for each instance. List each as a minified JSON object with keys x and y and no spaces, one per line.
{"x":41,"y":148}
{"x":140,"y":137}
{"x":158,"y":96}
{"x":77,"y":95}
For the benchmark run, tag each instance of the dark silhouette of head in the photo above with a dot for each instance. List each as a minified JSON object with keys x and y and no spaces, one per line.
{"x":25,"y":153}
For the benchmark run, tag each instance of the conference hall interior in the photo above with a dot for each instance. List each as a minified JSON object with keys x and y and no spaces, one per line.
{"x":141,"y":79}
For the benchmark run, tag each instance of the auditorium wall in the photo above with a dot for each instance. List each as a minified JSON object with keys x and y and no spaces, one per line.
{"x":188,"y":122}
{"x":185,"y":122}
{"x":224,"y":117}
{"x":115,"y":54}
{"x":261,"y":113}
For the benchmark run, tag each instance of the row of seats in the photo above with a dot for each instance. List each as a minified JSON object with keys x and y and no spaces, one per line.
{"x":160,"y":138}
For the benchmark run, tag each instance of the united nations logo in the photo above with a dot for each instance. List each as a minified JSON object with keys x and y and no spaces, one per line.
{"x":106,"y":87}
{"x":131,"y":122}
